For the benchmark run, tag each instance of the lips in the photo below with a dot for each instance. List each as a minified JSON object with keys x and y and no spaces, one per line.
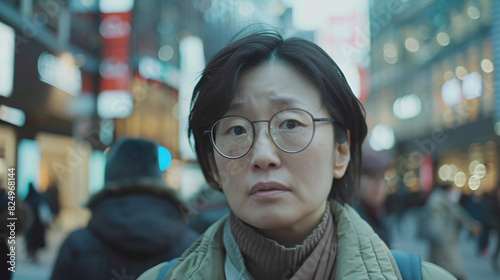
{"x":268,"y":187}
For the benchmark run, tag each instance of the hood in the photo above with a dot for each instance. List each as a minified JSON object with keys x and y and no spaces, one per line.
{"x":137,"y":223}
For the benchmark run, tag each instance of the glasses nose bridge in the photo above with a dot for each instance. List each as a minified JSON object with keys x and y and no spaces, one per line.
{"x":267,"y":129}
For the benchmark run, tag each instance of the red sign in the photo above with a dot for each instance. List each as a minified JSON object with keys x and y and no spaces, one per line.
{"x":427,"y":173}
{"x":115,"y":70}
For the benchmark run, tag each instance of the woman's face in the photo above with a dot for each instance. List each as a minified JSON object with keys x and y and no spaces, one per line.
{"x":300,"y":182}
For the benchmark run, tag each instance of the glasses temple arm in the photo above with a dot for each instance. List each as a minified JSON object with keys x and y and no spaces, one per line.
{"x":324,"y":120}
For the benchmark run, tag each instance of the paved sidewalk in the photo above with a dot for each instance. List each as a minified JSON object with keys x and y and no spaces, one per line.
{"x":42,"y":270}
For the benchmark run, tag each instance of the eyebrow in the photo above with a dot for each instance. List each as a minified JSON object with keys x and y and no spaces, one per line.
{"x":274,"y":100}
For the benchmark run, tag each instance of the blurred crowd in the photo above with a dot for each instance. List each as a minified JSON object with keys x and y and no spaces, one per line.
{"x":443,"y":214}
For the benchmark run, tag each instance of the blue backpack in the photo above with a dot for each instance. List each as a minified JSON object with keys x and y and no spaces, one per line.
{"x":165,"y":269}
{"x":409,"y":266}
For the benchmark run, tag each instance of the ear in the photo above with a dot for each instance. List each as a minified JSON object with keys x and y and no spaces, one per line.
{"x":342,"y":157}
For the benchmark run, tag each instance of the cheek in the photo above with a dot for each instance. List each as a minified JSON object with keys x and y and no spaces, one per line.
{"x":229,"y":170}
{"x":320,"y":154}
{"x":314,"y":168}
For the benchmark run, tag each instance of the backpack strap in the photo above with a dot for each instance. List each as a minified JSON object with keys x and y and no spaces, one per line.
{"x":409,"y":265}
{"x":165,"y":269}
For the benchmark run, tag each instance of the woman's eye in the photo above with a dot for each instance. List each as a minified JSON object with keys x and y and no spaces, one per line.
{"x":290,"y":124}
{"x":238,"y":130}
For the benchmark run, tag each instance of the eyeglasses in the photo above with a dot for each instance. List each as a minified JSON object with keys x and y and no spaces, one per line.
{"x":292,"y":130}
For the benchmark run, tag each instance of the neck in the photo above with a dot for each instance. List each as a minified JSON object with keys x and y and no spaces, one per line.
{"x":267,"y":259}
{"x":295,"y":234}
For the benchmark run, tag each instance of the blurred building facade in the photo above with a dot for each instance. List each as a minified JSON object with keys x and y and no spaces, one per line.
{"x":50,"y":58}
{"x":78,"y":74}
{"x":433,"y":98}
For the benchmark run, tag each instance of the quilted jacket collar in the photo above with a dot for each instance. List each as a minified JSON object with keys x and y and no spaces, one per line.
{"x":361,"y":254}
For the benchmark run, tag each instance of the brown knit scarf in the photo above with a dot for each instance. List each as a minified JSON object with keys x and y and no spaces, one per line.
{"x":314,"y":259}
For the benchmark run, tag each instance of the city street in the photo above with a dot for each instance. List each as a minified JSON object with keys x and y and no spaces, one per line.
{"x":403,"y":239}
{"x":113,"y":113}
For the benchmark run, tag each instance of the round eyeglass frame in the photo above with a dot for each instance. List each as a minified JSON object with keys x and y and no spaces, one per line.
{"x":210,"y":132}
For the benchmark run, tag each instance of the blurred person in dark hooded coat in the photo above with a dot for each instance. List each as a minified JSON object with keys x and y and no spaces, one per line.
{"x":40,"y":212}
{"x":373,"y":192}
{"x":52,"y":196}
{"x":136,"y":220}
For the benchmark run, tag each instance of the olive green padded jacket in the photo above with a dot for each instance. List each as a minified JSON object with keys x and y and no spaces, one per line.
{"x":361,"y":254}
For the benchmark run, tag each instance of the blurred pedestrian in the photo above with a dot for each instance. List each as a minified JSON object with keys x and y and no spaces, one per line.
{"x":493,"y":216}
{"x":448,"y":217}
{"x":52,"y":196}
{"x":22,"y":214}
{"x":278,"y":131}
{"x":209,"y":206}
{"x":476,"y":205}
{"x":136,"y":221}
{"x":40,"y":212}
{"x":373,"y":192}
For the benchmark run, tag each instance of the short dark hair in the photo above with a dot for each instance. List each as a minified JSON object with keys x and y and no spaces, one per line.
{"x":217,"y":88}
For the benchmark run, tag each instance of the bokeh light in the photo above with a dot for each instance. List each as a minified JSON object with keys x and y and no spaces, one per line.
{"x":443,"y":38}
{"x":473,"y":12}
{"x":412,"y":44}
{"x":474,"y":182}
{"x":487,"y":65}
{"x":480,"y":170}
{"x":410,"y":179}
{"x":165,"y":53}
{"x":460,"y":179}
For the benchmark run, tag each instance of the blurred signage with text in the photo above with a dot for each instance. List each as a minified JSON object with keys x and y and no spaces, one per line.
{"x":115,"y":28}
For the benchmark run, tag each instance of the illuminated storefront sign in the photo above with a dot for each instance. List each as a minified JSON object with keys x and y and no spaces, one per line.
{"x":12,"y":115}
{"x":60,"y":72}
{"x":28,"y":166}
{"x":7,"y":49}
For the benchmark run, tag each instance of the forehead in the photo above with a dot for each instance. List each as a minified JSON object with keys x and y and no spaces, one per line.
{"x":277,"y":84}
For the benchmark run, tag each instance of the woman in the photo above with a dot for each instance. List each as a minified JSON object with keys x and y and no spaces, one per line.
{"x":278,"y":130}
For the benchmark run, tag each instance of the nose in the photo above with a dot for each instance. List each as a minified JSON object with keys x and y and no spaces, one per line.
{"x":264,"y":154}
